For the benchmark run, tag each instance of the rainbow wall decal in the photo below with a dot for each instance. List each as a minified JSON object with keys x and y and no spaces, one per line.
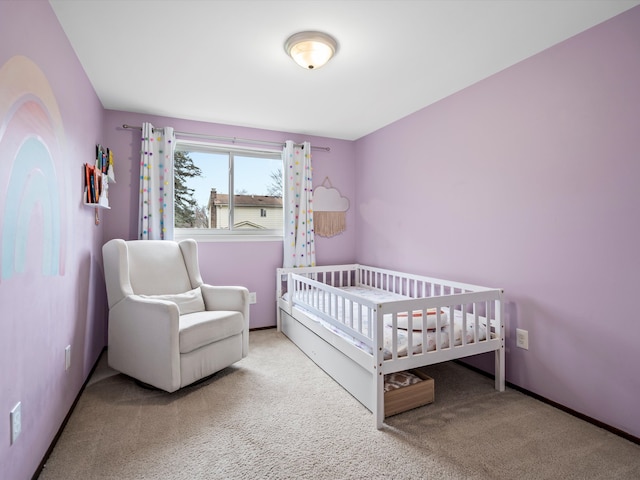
{"x":31,"y":138}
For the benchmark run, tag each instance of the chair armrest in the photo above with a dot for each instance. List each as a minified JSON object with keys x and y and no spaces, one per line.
{"x":144,"y":341}
{"x":225,"y":298}
{"x":229,"y":298}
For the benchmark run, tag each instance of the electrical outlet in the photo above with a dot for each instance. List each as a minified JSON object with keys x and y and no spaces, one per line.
{"x":67,"y":357}
{"x":253,"y":298}
{"x":15,"y":416}
{"x":522,"y":338}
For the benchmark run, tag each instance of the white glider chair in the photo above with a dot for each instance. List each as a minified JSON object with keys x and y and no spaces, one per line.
{"x":167,"y":328}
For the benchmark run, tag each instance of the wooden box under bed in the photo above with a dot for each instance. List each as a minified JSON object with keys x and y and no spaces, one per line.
{"x":408,"y":397}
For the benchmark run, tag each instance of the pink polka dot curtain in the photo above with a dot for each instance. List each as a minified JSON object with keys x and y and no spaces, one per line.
{"x":299,"y":246}
{"x":156,"y":183}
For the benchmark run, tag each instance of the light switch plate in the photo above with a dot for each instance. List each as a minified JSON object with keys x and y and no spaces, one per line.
{"x":15,"y":417}
{"x":522,"y":338}
{"x":67,"y":357}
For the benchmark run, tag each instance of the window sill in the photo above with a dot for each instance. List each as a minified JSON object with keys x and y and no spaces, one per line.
{"x":207,"y":236}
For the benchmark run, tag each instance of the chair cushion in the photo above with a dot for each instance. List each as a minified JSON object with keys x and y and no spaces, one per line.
{"x":188,"y":302}
{"x":202,"y":328}
{"x":157,"y":267}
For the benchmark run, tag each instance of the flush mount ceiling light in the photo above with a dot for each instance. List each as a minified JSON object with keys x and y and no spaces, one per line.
{"x":311,"y":50}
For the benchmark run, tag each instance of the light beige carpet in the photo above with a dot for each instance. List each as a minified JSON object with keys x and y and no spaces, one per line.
{"x":276,"y":415}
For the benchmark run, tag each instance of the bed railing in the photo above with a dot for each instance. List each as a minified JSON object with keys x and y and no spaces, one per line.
{"x":413,"y":286}
{"x":319,"y":290}
{"x":350,"y":313}
{"x":477,"y":315}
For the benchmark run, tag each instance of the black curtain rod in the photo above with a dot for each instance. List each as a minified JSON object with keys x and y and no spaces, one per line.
{"x":227,"y":139}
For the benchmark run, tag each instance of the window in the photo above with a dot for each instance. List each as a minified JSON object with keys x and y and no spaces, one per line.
{"x":223,"y":190}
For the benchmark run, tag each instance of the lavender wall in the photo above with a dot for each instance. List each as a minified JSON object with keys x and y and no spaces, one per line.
{"x":51,"y":287}
{"x":542,"y":158}
{"x":528,"y":181}
{"x":251,"y":264}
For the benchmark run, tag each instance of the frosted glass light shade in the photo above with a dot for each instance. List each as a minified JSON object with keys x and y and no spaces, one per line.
{"x":311,"y":50}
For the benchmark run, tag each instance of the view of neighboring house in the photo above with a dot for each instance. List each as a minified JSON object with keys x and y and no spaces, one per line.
{"x":259,"y":212}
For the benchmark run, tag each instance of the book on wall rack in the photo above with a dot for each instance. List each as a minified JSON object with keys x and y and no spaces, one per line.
{"x":104,"y":161}
{"x":93,"y":183}
{"x":87,"y":183}
{"x":111,"y":174}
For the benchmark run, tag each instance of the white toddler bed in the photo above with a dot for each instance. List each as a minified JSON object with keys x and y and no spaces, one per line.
{"x":361,"y":323}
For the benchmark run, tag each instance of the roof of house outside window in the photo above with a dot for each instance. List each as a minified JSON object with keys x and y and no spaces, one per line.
{"x":220,"y":199}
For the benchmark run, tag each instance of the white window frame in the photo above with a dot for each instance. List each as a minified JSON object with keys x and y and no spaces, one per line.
{"x":220,"y":235}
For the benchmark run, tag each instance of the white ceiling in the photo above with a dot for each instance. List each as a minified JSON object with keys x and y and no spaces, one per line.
{"x":223,"y":61}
